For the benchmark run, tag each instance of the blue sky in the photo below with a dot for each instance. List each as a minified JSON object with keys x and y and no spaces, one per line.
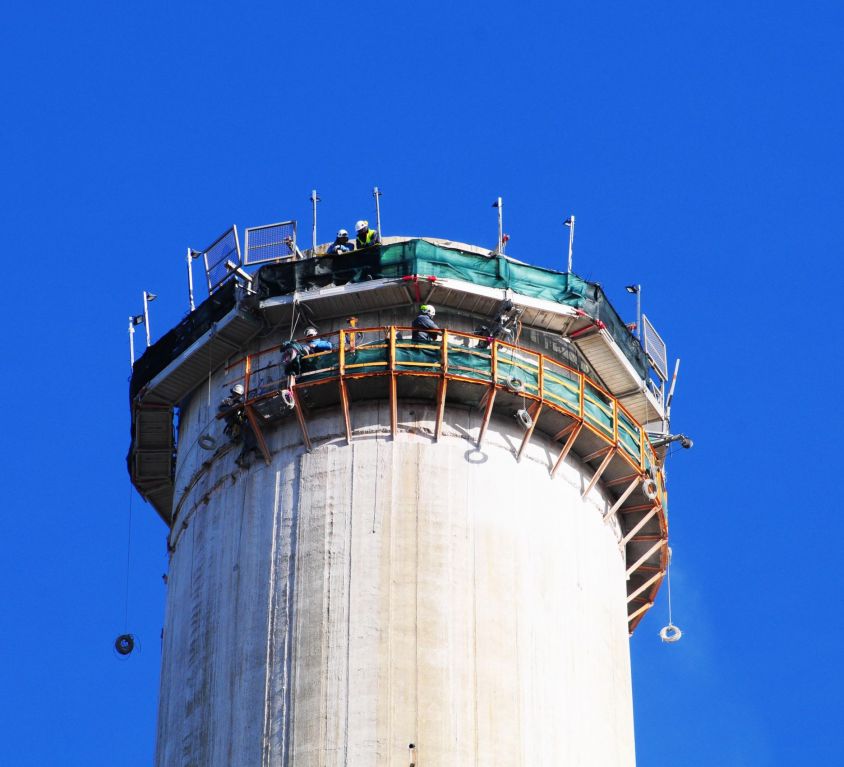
{"x":699,"y":146}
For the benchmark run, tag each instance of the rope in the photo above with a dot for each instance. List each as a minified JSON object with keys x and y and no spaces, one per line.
{"x":295,"y":319}
{"x":669,"y":633}
{"x":128,"y":562}
{"x":668,"y":577}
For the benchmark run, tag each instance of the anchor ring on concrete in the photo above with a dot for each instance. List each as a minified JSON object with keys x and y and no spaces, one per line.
{"x":670,"y":633}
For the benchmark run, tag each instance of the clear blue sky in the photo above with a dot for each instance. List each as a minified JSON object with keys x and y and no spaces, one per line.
{"x":698,"y":144}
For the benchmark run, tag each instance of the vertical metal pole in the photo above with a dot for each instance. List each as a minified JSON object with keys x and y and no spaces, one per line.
{"x":639,"y":312}
{"x":147,"y":298}
{"x":132,"y":341}
{"x":570,"y":222}
{"x":314,"y":201}
{"x":190,"y":279}
{"x":500,"y":206}
{"x":376,"y":194}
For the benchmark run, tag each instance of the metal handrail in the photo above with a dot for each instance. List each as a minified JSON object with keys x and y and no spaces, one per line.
{"x":500,"y":354}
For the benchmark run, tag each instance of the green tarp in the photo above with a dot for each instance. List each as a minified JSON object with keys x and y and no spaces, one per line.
{"x":423,"y":258}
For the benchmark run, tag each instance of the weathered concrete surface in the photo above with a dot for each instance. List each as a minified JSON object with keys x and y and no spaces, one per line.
{"x":334,"y":607}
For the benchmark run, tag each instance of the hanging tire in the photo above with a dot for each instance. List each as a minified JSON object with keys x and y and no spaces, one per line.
{"x":514,"y":385}
{"x":649,"y":488}
{"x":524,"y":418}
{"x":670,"y":633}
{"x":124,"y":644}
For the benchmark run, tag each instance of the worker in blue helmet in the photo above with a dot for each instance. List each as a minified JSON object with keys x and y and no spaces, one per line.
{"x":366,"y":236}
{"x":424,"y":324}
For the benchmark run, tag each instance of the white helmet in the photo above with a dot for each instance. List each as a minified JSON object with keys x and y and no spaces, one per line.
{"x":238,"y":389}
{"x":310,"y":332}
{"x":428,"y":309}
{"x":342,"y":233}
{"x":361,"y":225}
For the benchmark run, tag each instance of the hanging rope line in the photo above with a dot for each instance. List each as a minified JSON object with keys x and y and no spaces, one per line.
{"x":128,"y":564}
{"x":125,"y":643}
{"x":669,"y":633}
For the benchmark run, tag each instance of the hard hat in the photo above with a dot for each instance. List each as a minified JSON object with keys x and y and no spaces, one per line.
{"x":342,"y":233}
{"x":361,"y":225}
{"x":310,"y":332}
{"x":238,"y":389}
{"x":427,"y":309}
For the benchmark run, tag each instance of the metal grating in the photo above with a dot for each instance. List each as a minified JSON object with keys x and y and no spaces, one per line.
{"x":270,"y":242}
{"x":225,"y":248}
{"x":655,"y":348}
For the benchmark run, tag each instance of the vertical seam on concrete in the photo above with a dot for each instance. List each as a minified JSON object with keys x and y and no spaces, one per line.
{"x":416,"y":605}
{"x":471,"y":525}
{"x":236,"y":589}
{"x":390,"y":576}
{"x":520,"y":709}
{"x":271,"y":624}
{"x":326,"y":616}
{"x":351,"y":507}
{"x":293,"y":613}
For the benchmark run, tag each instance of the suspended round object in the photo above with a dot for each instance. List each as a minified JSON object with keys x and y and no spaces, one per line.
{"x":524,"y":418}
{"x":649,"y":488}
{"x":124,"y":644}
{"x":287,"y":397}
{"x":515,"y":385}
{"x":207,"y":442}
{"x":670,"y":633}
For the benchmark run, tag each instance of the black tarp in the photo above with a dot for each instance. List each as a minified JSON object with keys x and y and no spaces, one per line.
{"x":175,"y":341}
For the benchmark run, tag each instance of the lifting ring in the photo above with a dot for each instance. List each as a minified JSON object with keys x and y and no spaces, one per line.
{"x":670,"y":633}
{"x":207,"y":442}
{"x":649,"y":488}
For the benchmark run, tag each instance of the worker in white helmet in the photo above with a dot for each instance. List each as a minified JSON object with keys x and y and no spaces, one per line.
{"x":314,"y":344}
{"x":341,"y":244}
{"x":366,"y":236}
{"x":424,"y":323}
{"x":231,"y":408}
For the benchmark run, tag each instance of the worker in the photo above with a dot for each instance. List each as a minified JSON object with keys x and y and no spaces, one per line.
{"x":366,"y":236}
{"x":314,"y":344}
{"x":341,"y":244}
{"x":425,"y":322}
{"x":231,"y":408}
{"x":237,"y":427}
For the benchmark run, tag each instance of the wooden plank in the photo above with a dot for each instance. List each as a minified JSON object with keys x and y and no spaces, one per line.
{"x":535,"y":410}
{"x":487,"y":415}
{"x":621,"y":499}
{"x":597,"y":453}
{"x":645,"y":586}
{"x":565,"y":451}
{"x":347,"y":421}
{"x":441,"y":391}
{"x":645,"y":557}
{"x":259,"y":435}
{"x":597,"y":475}
{"x":394,"y":418}
{"x":621,"y":480}
{"x":641,"y":523}
{"x":300,"y":417}
{"x":643,"y":608}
